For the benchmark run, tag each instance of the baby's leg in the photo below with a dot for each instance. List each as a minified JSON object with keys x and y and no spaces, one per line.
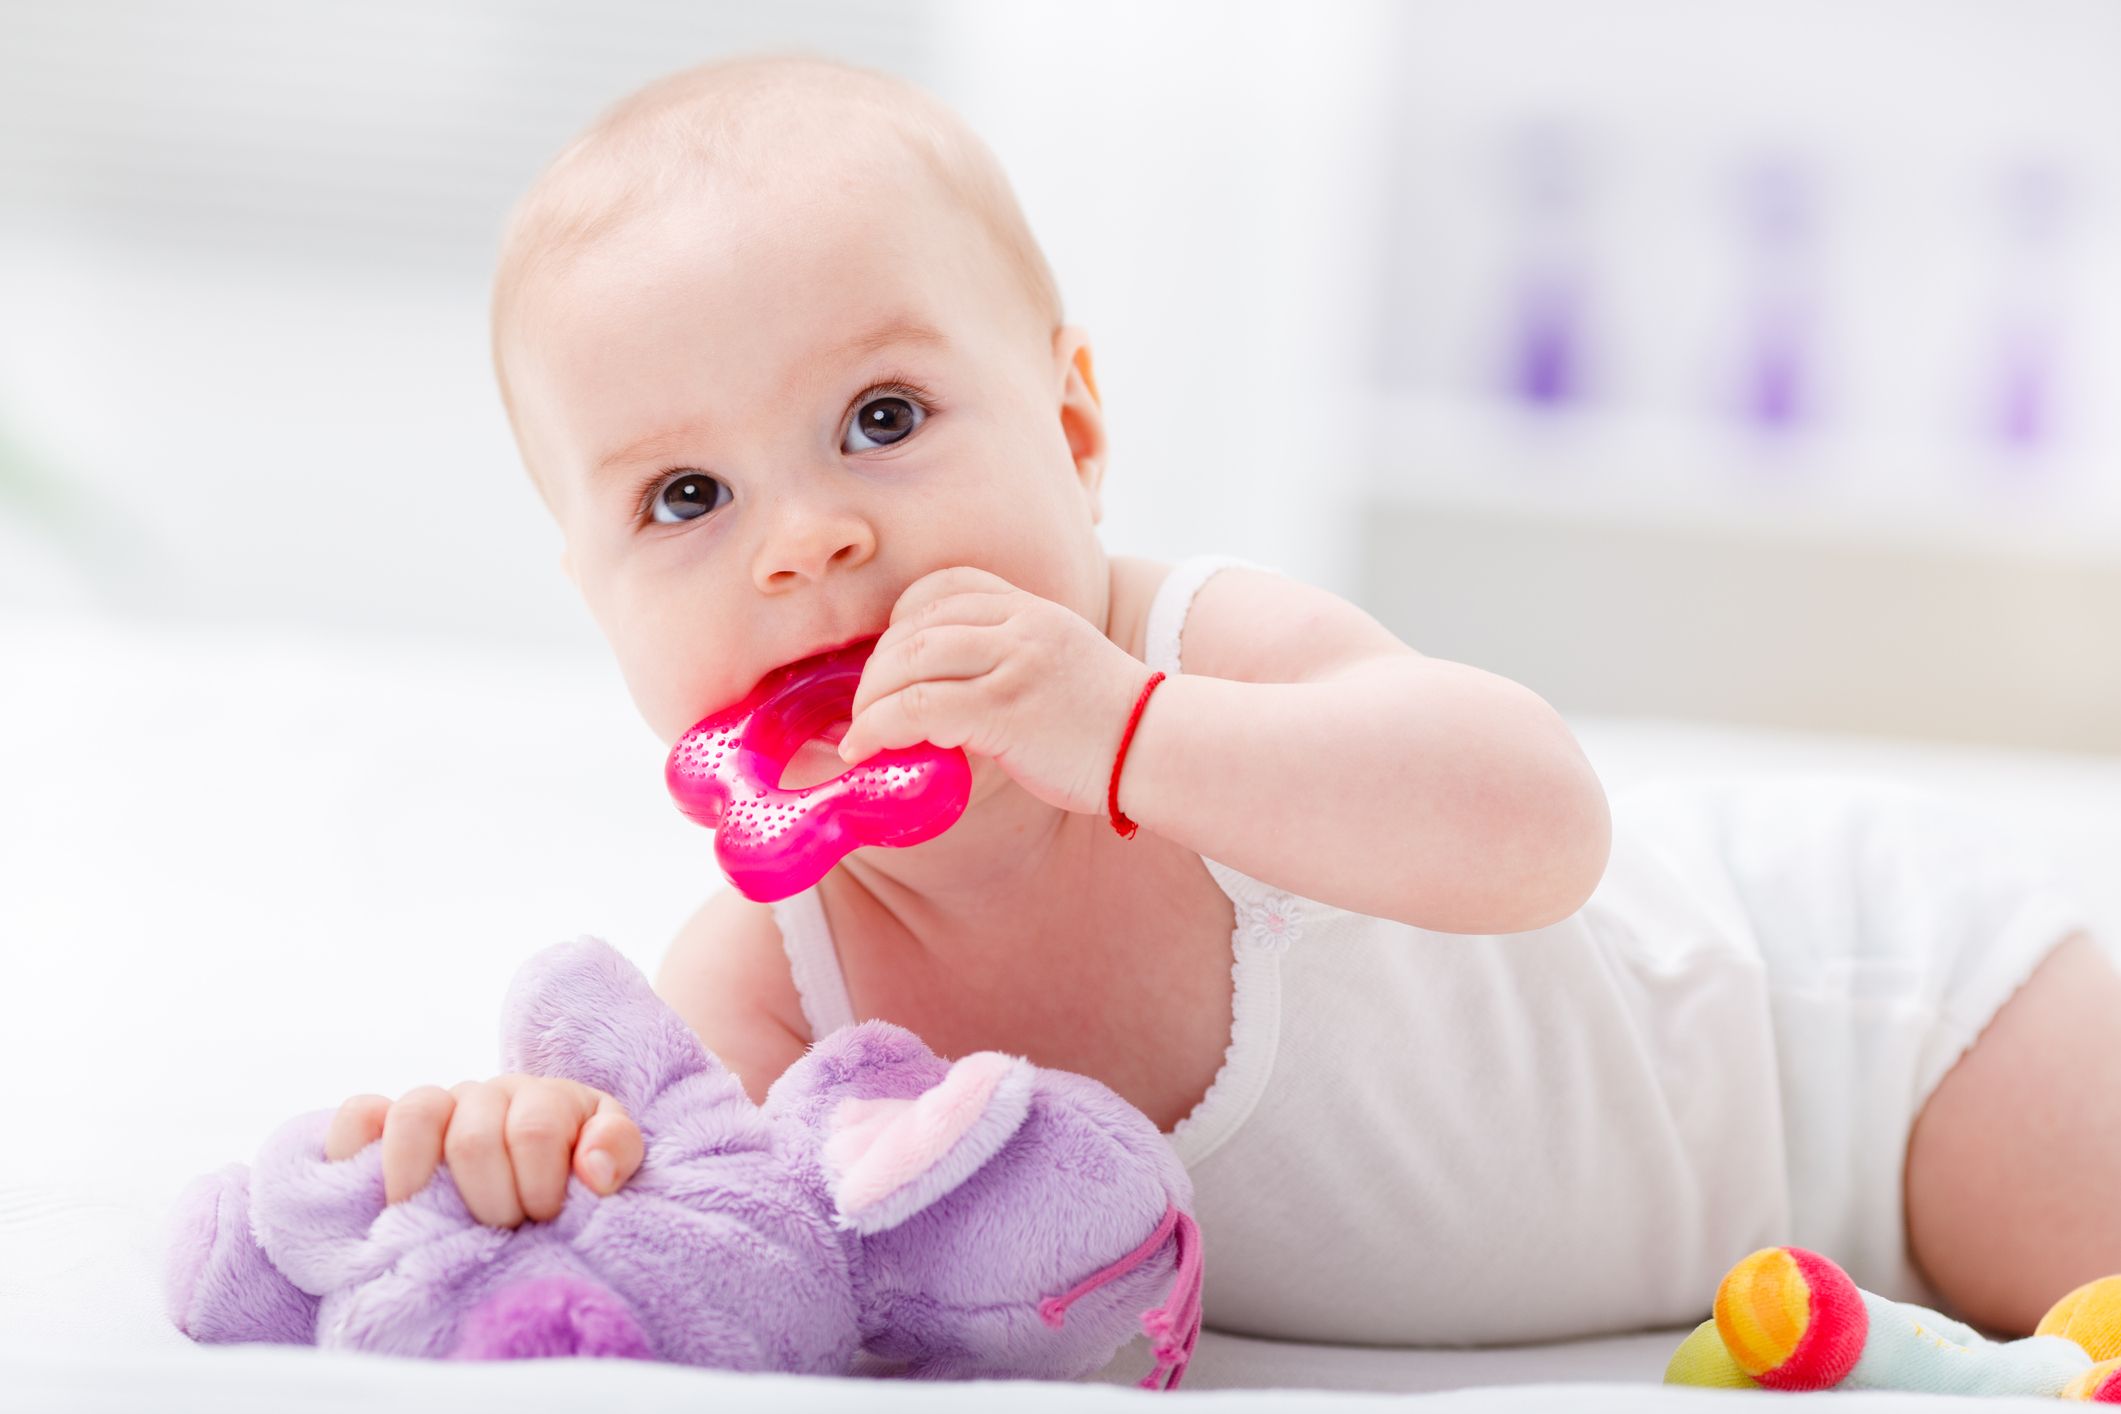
{"x":2014,"y":1164}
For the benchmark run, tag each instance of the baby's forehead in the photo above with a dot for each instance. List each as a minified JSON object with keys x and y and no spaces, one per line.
{"x":779,"y":158}
{"x":776,"y":157}
{"x":760,"y":321}
{"x":806,"y":259}
{"x":784,"y":145}
{"x":703,"y":221}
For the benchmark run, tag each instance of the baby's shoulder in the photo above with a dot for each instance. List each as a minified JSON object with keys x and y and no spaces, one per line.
{"x":727,"y":975}
{"x":1256,"y":625}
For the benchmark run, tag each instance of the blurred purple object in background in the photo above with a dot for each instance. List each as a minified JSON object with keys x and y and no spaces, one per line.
{"x":1545,"y":370}
{"x":1775,"y":377}
{"x":1776,"y":212}
{"x":2022,"y":399}
{"x":1546,"y":349}
{"x":2022,"y":410}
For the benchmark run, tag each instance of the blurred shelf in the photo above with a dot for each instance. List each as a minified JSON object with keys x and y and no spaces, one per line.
{"x":1597,"y":468}
{"x":1919,"y":622}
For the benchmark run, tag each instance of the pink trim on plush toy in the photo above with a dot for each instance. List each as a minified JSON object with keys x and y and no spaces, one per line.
{"x":882,"y":1144}
{"x":1174,"y":1327}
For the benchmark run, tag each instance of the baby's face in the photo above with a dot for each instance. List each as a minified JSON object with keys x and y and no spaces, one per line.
{"x":761,"y":416}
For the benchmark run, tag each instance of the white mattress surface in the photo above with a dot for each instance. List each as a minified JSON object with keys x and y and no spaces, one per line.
{"x":244,"y":876}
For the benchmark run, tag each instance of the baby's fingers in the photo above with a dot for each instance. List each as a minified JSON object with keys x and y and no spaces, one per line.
{"x":412,"y":1140}
{"x":944,"y":713}
{"x":477,"y":1157}
{"x":610,"y":1148}
{"x":548,"y":1128}
{"x":358,"y":1124}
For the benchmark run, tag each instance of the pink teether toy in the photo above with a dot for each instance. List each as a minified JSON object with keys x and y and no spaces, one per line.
{"x":726,"y":773}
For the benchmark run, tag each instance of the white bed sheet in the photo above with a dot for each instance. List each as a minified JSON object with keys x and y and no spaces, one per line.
{"x":244,"y":876}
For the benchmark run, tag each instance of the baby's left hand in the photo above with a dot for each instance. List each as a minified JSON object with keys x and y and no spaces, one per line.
{"x":970,"y":660}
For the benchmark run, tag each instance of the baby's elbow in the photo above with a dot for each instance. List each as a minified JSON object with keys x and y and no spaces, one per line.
{"x":1579,"y":842}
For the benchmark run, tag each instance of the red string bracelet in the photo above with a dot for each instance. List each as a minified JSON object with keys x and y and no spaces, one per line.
{"x":1120,"y":822}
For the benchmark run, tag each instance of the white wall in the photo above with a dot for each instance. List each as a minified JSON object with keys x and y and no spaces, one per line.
{"x":1203,"y":177}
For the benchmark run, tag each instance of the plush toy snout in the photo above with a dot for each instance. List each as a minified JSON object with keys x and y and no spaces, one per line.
{"x":219,"y":1285}
{"x":222,"y":1288}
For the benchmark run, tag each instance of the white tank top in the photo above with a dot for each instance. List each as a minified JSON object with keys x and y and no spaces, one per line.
{"x":1425,"y":1138}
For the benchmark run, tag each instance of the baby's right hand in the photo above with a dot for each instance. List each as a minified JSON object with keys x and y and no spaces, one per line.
{"x":509,"y":1142}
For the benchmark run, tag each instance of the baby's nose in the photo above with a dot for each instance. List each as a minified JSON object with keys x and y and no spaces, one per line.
{"x":806,"y":548}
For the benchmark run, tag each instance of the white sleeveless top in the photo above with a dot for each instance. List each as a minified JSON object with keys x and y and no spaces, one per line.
{"x":1426,"y":1138}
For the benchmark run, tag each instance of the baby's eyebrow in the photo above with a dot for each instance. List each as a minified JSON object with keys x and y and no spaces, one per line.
{"x":898,"y":329}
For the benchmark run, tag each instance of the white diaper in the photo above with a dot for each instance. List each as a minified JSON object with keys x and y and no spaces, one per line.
{"x":1893,"y":924}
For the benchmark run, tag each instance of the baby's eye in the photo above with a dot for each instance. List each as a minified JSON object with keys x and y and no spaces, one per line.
{"x":881,"y":421}
{"x":687,"y":496}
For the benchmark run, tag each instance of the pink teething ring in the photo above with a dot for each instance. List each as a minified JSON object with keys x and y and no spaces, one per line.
{"x":726,"y":773}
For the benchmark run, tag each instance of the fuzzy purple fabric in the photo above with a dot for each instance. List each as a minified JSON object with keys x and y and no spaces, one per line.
{"x":551,"y":1316}
{"x":730,"y":1247}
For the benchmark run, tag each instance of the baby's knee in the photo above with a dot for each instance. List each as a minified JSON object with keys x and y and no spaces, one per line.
{"x":2009,"y":1169}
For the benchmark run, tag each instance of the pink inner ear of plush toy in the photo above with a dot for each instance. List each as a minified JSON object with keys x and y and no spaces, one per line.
{"x":881,"y":1145}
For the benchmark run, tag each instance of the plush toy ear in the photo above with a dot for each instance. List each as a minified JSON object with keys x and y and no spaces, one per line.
{"x":582,"y":1012}
{"x":888,"y":1158}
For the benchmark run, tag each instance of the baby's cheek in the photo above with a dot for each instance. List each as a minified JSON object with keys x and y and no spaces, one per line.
{"x":656,"y":694}
{"x":666,"y":696}
{"x":672,"y":677}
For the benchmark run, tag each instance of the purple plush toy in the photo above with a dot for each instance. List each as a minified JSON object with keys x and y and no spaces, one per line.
{"x":883,"y":1206}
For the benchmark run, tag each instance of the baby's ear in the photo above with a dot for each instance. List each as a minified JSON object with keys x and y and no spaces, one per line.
{"x":582,"y":1012}
{"x":1082,"y":414}
{"x":887,"y":1158}
{"x":1071,"y":360}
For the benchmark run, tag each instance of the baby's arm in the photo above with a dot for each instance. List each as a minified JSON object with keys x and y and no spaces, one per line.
{"x":727,"y":977}
{"x":1307,"y":746}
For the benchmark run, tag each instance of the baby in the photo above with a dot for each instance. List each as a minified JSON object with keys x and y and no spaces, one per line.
{"x":1454,"y":1051}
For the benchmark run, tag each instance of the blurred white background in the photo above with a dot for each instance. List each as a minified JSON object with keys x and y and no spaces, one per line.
{"x":243,"y":362}
{"x":1746,"y":362}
